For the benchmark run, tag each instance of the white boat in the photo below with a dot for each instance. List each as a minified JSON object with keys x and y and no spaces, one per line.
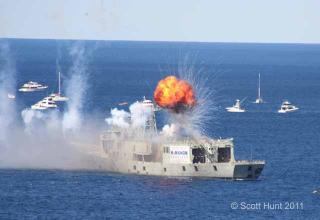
{"x":45,"y":103}
{"x":32,"y":86}
{"x":287,"y":107}
{"x":236,"y":107}
{"x":38,"y":106}
{"x":11,"y":96}
{"x":259,"y":100}
{"x":57,"y":97}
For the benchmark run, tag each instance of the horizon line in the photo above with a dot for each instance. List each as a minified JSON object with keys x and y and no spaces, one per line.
{"x":160,"y":41}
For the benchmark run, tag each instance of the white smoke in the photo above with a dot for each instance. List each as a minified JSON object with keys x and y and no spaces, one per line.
{"x":139,"y":114}
{"x":35,"y":120}
{"x":7,"y":86}
{"x":171,"y":130}
{"x":29,"y":115}
{"x":136,"y":118}
{"x":77,"y":85}
{"x":39,"y":141}
{"x":119,"y":118}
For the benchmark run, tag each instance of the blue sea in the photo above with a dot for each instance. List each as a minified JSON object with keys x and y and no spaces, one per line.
{"x":120,"y":71}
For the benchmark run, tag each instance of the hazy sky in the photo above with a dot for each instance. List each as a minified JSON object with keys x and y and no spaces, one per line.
{"x":165,"y":20}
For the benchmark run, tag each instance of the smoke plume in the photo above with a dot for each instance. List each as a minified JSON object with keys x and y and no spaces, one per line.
{"x":135,"y":119}
{"x":77,"y":85}
{"x":39,"y":139}
{"x":7,"y":88}
{"x":193,"y":121}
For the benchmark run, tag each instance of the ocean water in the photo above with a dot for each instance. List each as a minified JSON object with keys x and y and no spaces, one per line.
{"x":127,"y":71}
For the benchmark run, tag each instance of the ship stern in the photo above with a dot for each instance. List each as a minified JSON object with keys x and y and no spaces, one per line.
{"x":248,"y":169}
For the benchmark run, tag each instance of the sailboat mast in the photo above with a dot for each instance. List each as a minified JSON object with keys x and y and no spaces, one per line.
{"x":259,"y":88}
{"x":59,"y":84}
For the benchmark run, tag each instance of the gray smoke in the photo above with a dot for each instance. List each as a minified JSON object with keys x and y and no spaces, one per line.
{"x":77,"y":85}
{"x":7,"y":88}
{"x":41,"y":140}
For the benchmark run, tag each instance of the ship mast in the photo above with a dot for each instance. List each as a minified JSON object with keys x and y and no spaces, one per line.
{"x":151,"y":124}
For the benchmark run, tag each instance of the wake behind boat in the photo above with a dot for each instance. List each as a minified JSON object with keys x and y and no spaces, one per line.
{"x":287,"y":107}
{"x":236,"y":107}
{"x":32,"y":87}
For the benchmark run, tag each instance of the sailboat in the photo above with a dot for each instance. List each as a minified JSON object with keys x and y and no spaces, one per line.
{"x":57,"y":97}
{"x":259,"y":100}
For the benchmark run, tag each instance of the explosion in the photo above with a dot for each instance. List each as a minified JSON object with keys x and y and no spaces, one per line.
{"x":175,"y":94}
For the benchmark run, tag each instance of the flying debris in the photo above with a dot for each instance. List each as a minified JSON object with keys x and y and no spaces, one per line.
{"x":176,"y":94}
{"x":123,"y":103}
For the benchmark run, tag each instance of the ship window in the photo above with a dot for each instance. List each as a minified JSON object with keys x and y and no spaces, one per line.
{"x":198,"y":155}
{"x":249,"y":168}
{"x":224,"y":154}
{"x":165,"y":169}
{"x":196,"y":168}
{"x":166,"y":149}
{"x":258,"y":171}
{"x":183,"y":168}
{"x":134,"y":167}
{"x":215,"y":168}
{"x":144,"y":168}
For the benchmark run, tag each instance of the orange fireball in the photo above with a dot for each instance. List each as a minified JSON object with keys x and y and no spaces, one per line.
{"x":174,"y":94}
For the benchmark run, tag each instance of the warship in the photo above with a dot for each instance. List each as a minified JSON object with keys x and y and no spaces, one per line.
{"x":182,"y":156}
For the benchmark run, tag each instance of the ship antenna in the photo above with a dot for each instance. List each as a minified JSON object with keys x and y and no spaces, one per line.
{"x":149,"y":87}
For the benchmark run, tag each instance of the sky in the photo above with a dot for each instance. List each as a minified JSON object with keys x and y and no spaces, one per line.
{"x":266,"y":21}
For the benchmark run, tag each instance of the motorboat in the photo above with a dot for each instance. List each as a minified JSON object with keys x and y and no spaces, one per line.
{"x":58,"y":97}
{"x":38,"y":106}
{"x":286,"y":106}
{"x":236,"y":107}
{"x":259,"y":100}
{"x":45,"y":103}
{"x":32,"y":86}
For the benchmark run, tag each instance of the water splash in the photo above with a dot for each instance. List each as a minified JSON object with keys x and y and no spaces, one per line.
{"x":77,"y":86}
